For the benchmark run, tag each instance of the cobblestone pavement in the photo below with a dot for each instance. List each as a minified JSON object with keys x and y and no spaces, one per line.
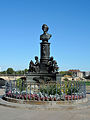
{"x":64,"y":113}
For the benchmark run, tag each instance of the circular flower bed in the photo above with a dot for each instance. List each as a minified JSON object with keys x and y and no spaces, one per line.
{"x":42,"y":97}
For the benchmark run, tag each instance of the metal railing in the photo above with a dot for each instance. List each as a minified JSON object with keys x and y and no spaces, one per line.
{"x":50,"y":91}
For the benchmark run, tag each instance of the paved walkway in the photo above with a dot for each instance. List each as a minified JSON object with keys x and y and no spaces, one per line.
{"x":76,"y":112}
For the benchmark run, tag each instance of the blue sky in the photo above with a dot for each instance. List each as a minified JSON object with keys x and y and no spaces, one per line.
{"x":20,"y":30}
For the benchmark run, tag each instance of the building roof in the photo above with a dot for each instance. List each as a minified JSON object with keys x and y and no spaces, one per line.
{"x":74,"y":70}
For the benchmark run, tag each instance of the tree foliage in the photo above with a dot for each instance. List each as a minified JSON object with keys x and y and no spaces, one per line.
{"x":10,"y":71}
{"x":65,"y":73}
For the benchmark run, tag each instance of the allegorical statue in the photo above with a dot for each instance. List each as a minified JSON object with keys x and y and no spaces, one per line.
{"x":31,"y":66}
{"x":52,"y":65}
{"x":55,"y":66}
{"x":37,"y":64}
{"x":34,"y":67}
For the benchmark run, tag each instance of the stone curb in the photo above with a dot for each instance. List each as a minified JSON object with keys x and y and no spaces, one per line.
{"x":51,"y":106}
{"x":51,"y":103}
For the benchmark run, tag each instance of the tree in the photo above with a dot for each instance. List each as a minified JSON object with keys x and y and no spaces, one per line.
{"x":65,"y":73}
{"x":26,"y":71}
{"x":10,"y":71}
{"x":19,"y":72}
{"x":3,"y":72}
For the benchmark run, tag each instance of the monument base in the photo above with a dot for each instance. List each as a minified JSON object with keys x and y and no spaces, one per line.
{"x":42,"y":77}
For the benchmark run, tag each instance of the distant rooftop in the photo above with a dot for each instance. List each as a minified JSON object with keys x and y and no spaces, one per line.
{"x":74,"y":70}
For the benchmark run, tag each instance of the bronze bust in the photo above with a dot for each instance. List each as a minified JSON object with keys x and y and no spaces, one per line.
{"x":45,"y":36}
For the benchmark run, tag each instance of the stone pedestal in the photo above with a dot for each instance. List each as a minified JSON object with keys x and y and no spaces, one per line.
{"x":40,"y":77}
{"x":45,"y":56}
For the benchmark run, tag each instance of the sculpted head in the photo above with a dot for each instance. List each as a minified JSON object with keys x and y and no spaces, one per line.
{"x":45,"y":28}
{"x":36,"y":57}
{"x":51,"y":58}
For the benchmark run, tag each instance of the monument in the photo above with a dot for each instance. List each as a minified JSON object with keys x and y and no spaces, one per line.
{"x":43,"y":81}
{"x":46,"y":69}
